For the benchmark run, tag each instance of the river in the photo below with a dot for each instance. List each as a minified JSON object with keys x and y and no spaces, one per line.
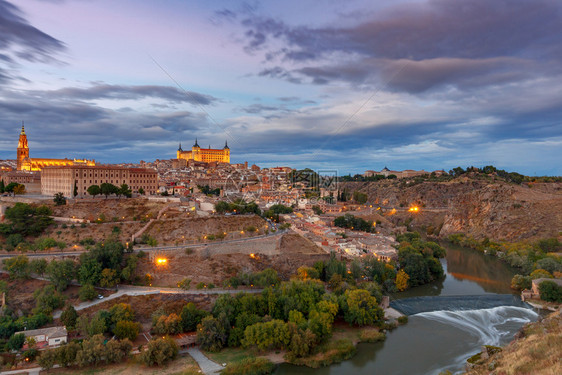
{"x":449,"y":321}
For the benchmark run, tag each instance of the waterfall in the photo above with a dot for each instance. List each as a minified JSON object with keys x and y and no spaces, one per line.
{"x":489,"y":326}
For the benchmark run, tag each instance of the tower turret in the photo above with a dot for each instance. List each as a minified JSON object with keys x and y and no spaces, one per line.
{"x":23,"y":148}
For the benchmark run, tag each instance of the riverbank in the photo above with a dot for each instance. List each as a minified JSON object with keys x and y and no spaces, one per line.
{"x":535,"y":350}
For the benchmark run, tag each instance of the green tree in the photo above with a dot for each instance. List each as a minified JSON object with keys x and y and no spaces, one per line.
{"x":127,"y":330}
{"x":61,"y":273}
{"x":69,"y":317}
{"x":19,"y":189}
{"x":361,"y":308}
{"x":191,"y":316}
{"x":89,"y":271}
{"x":48,"y":359}
{"x":66,"y":354}
{"x":141,"y":191}
{"x":159,"y":352}
{"x":108,"y":278}
{"x":184,"y":284}
{"x":17,"y":267}
{"x":211,"y":334}
{"x":98,"y":324}
{"x":125,"y":191}
{"x":550,"y":291}
{"x":38,"y":266}
{"x":59,"y":199}
{"x":108,"y":189}
{"x":10,"y":187}
{"x":2,"y":186}
{"x":274,"y":334}
{"x":93,"y":352}
{"x":48,"y":299}
{"x":75,"y":190}
{"x":116,"y":350}
{"x":87,"y":292}
{"x":121,"y":311}
{"x":16,"y":342}
{"x":26,"y":220}
{"x":520,"y":282}
{"x":94,"y":190}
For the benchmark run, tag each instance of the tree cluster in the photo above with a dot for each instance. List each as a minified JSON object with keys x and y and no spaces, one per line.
{"x":239,"y":206}
{"x":353,"y":222}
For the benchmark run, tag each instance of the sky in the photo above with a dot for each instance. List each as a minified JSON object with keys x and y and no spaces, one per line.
{"x":343,"y":86}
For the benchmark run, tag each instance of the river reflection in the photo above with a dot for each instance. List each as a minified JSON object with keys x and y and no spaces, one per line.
{"x":432,"y":342}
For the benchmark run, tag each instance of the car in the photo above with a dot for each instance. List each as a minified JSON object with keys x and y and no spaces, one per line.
{"x":100,"y":296}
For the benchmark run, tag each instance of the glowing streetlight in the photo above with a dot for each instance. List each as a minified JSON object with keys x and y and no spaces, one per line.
{"x":161,"y":261}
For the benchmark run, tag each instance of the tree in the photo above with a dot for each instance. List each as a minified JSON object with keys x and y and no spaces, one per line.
{"x":211,"y":334}
{"x":184,"y":284}
{"x":98,"y":324}
{"x":10,"y":187}
{"x":87,"y":293}
{"x":93,"y":352}
{"x":539,"y":273}
{"x":61,"y":273}
{"x":109,"y":278}
{"x":520,"y":282}
{"x":17,"y":267}
{"x":125,"y":191}
{"x":2,"y":186}
{"x":121,"y":311}
{"x":89,"y":271}
{"x":141,"y":191}
{"x":191,"y":316}
{"x":19,"y":189}
{"x":402,"y":280}
{"x":66,"y":354}
{"x":16,"y":341}
{"x":274,"y":334}
{"x":59,"y":199}
{"x":26,"y":220}
{"x":159,"y":352}
{"x":38,"y":266}
{"x":69,"y":317}
{"x":107,"y":189}
{"x":48,"y":359}
{"x":550,"y":291}
{"x":361,"y":308}
{"x":94,"y":190}
{"x":117,"y":350}
{"x":48,"y":299}
{"x":127,"y":330}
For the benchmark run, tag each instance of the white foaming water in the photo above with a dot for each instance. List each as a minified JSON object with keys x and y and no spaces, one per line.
{"x":488,"y":325}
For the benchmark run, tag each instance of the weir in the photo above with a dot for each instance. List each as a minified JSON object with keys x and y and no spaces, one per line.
{"x":416,"y":305}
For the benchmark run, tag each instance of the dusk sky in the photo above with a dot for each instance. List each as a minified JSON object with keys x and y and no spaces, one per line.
{"x":340,"y":85}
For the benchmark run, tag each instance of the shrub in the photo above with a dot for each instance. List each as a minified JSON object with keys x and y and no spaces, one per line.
{"x":127,"y":330}
{"x":159,"y":351}
{"x":550,"y":291}
{"x":403,"y":319}
{"x":250,"y":366}
{"x":372,"y":335}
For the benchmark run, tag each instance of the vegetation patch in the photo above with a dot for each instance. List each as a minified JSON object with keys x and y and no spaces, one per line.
{"x":372,"y":335}
{"x":327,"y":354}
{"x":250,"y":366}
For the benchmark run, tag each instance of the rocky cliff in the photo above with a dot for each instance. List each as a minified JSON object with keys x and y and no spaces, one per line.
{"x":478,"y":207}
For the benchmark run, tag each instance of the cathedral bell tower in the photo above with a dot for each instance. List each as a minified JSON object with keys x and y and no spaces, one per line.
{"x":23,"y":148}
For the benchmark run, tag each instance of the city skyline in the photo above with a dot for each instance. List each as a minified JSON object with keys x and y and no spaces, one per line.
{"x":355,"y":86}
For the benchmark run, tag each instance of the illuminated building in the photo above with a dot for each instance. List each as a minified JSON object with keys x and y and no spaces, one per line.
{"x":206,"y":155}
{"x":25,"y":163}
{"x":78,"y":178}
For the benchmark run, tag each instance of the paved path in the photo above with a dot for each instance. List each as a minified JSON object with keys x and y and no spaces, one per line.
{"x":207,"y":366}
{"x":29,"y":371}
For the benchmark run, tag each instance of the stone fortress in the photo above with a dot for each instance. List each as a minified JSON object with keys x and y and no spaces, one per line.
{"x":206,"y":155}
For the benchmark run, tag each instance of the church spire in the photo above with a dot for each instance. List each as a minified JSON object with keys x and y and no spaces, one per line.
{"x":226,"y":144}
{"x":179,"y":148}
{"x":196,"y":144}
{"x":22,"y":128}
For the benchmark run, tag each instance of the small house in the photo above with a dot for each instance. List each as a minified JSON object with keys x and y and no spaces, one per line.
{"x":47,"y":337}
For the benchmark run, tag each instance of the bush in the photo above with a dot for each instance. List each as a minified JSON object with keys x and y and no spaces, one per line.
{"x":403,"y":319}
{"x":520,"y":282}
{"x":127,"y":330}
{"x":372,"y":335}
{"x":250,"y":366}
{"x":550,"y":291}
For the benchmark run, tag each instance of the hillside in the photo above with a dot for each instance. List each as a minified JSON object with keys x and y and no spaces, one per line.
{"x":537,"y":351}
{"x":480,"y":207}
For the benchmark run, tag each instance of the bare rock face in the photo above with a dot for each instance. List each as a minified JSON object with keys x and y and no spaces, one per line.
{"x":478,"y":207}
{"x":505,"y":212}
